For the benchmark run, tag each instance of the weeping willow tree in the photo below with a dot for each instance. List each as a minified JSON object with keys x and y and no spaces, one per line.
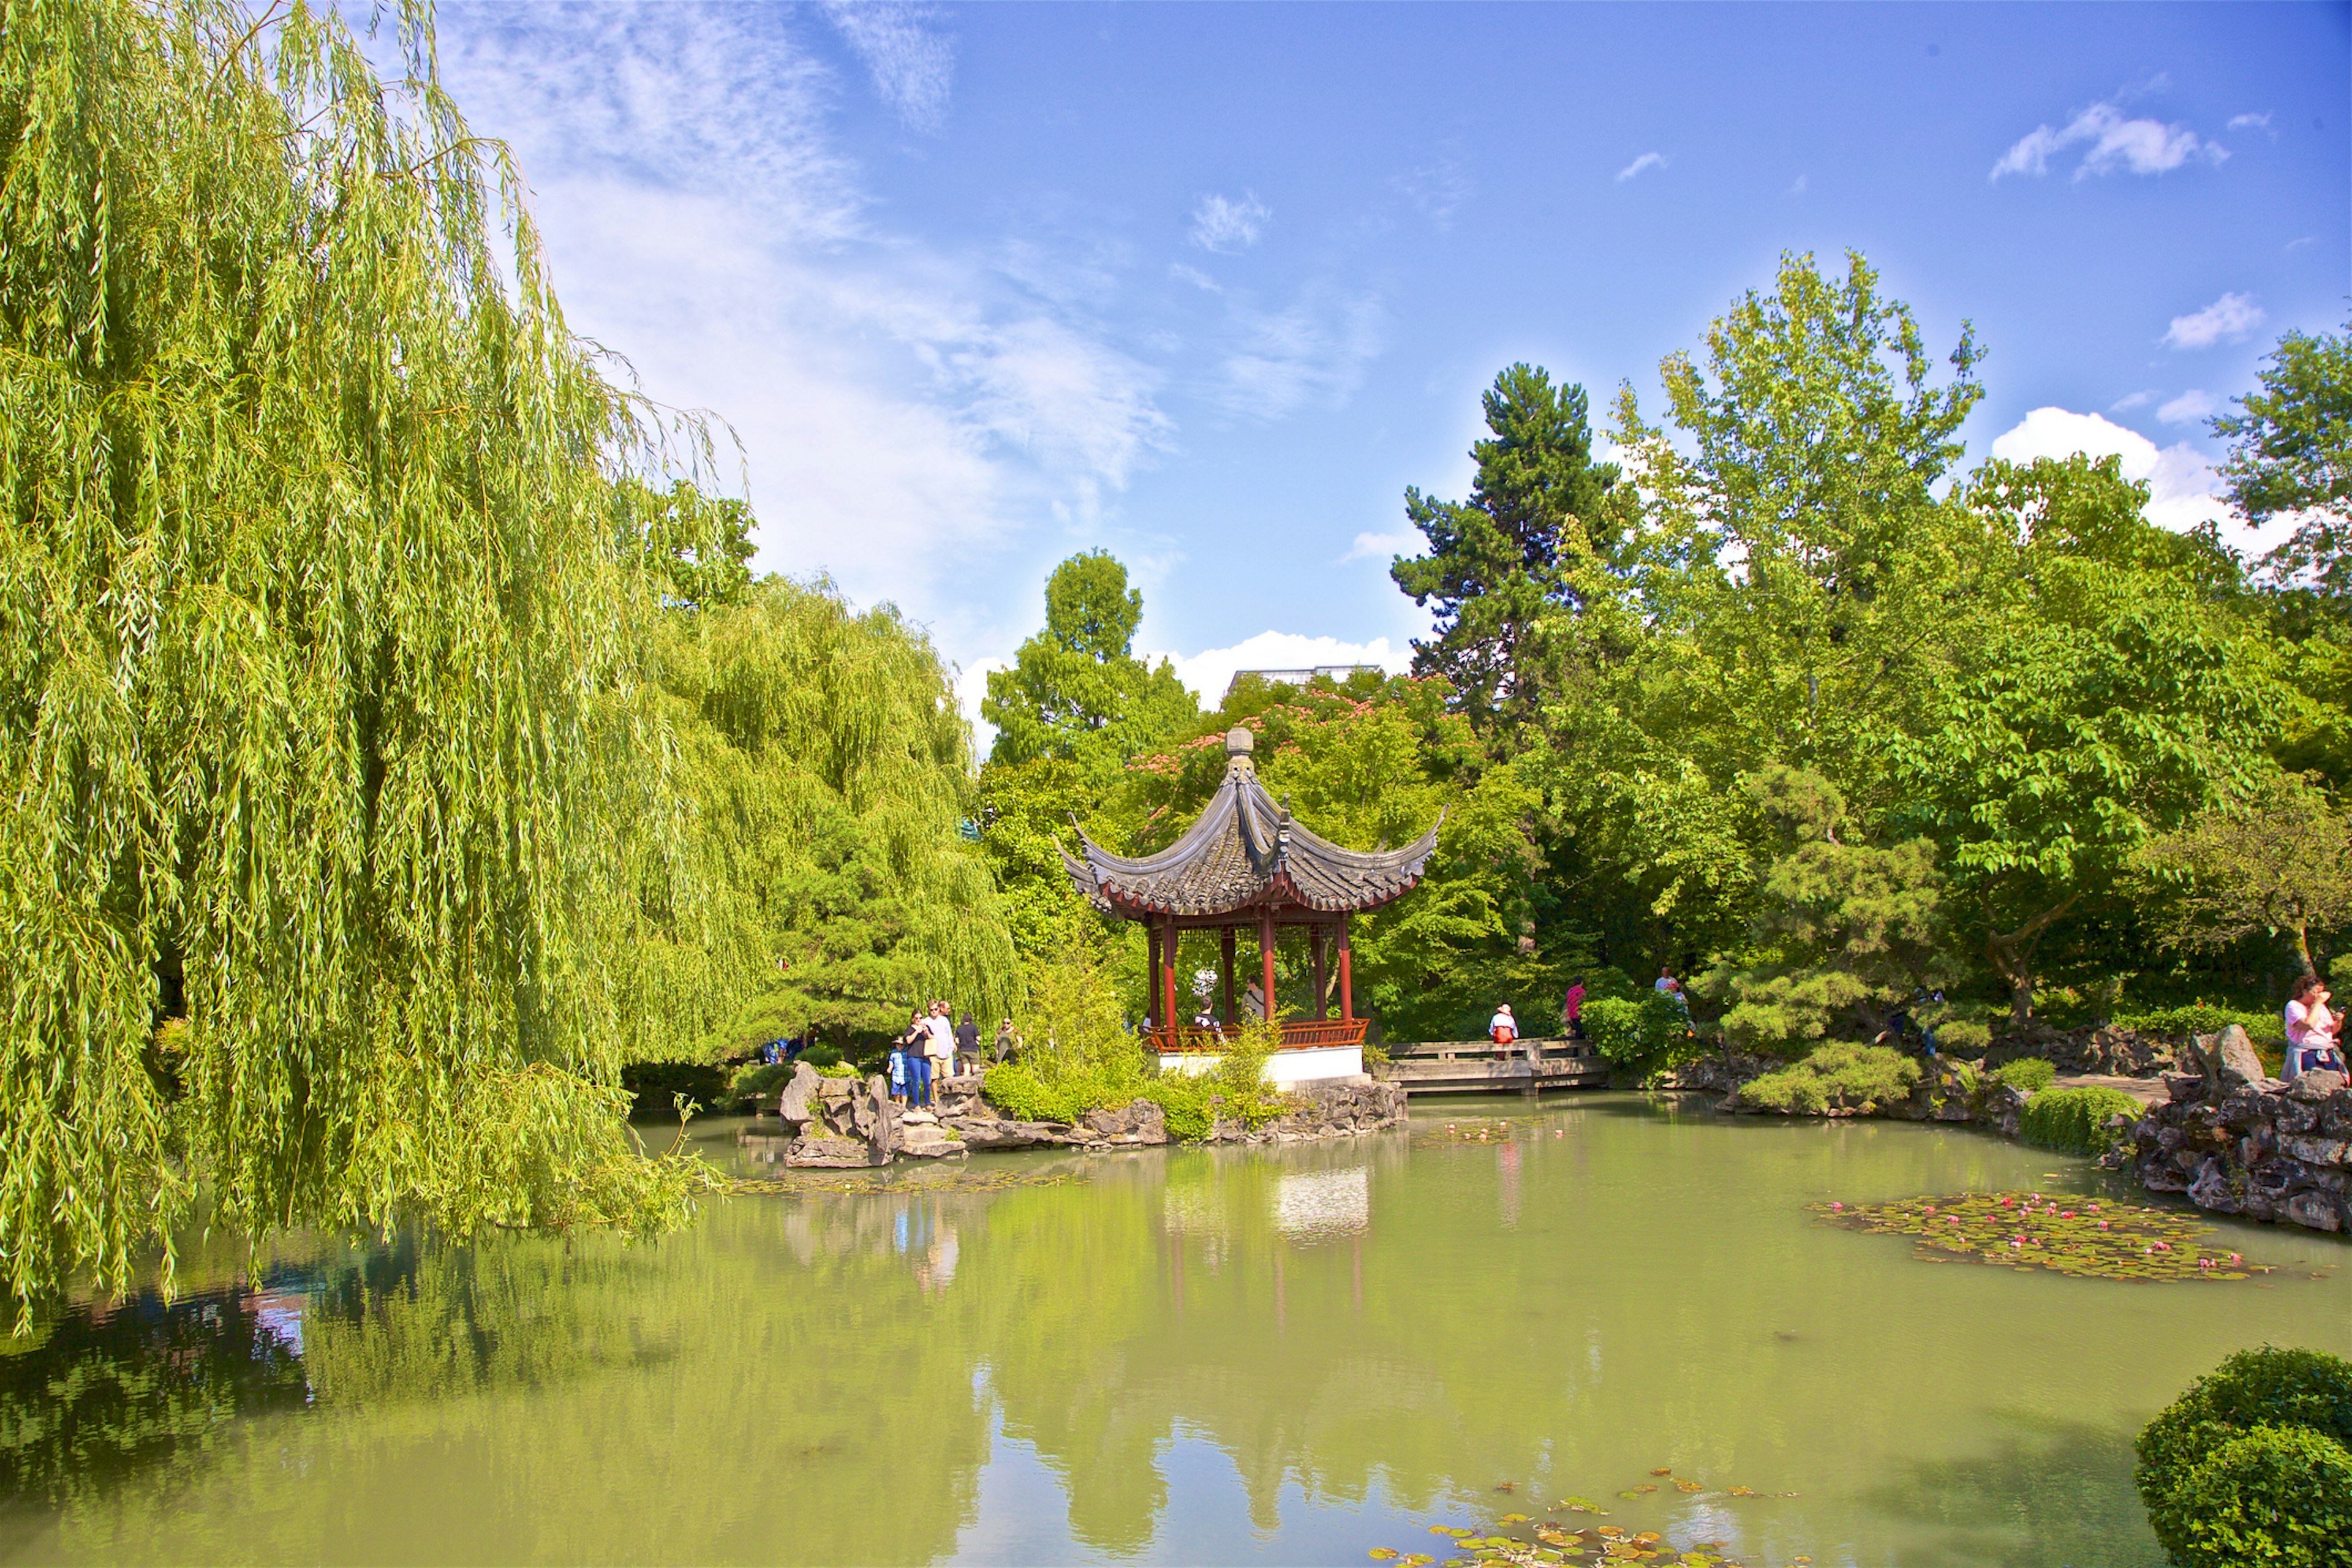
{"x":829,"y":773}
{"x":324,"y":735}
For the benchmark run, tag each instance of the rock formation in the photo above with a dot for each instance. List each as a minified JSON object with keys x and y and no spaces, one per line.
{"x":2236,"y":1143}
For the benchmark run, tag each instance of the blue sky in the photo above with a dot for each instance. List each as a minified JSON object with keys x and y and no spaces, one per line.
{"x":978,"y":287}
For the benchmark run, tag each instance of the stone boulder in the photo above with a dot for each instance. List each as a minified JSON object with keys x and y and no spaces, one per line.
{"x":799,"y":1091}
{"x":831,"y":1153}
{"x":2227,"y":1060}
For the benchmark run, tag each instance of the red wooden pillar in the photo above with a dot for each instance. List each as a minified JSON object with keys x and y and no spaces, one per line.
{"x":1225,"y":961}
{"x":1151,"y":970}
{"x":1266,"y":956}
{"x":1168,"y":977}
{"x":1347,"y":985}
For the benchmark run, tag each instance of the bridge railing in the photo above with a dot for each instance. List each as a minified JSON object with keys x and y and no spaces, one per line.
{"x":1297,"y":1035}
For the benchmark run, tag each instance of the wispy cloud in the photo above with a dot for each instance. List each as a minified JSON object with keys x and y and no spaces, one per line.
{"x":1799,"y":188}
{"x":1228,"y":226}
{"x":2132,"y":400}
{"x":1313,"y":351}
{"x":2227,"y":319}
{"x":906,"y":414}
{"x":912,"y":66}
{"x":2250,"y":123}
{"x":1438,"y":188}
{"x":1382,"y":546}
{"x":1643,"y":165}
{"x":2111,"y":142}
{"x":1194,"y":276}
{"x":2189,"y":407}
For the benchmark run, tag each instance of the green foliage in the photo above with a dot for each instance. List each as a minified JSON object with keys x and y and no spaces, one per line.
{"x":754,"y":1082}
{"x":320,"y":603}
{"x":2029,"y":1074}
{"x":1074,"y":690}
{"x":821,"y":1056}
{"x":2204,"y":1019}
{"x":828,"y":888}
{"x":2250,"y":1465}
{"x":2276,"y":861}
{"x":654,"y":1087}
{"x":1838,"y":1076}
{"x":1845,"y":933}
{"x":1536,"y":519}
{"x":2074,"y":1120}
{"x":1645,"y":1035}
{"x":2291,"y":454}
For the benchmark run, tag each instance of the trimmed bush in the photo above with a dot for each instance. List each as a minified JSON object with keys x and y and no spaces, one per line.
{"x":2278,"y":1495}
{"x":759,"y":1080}
{"x":2073,"y":1121}
{"x":2029,"y":1074}
{"x":1835,"y":1076}
{"x":2252,"y":1464}
{"x":2204,"y":1019}
{"x":822,"y":1057}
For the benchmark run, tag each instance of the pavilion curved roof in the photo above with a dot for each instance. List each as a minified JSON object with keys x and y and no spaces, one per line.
{"x":1243,"y":850}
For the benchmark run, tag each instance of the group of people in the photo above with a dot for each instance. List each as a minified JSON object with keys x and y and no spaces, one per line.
{"x":2313,"y":1034}
{"x":934,"y":1048}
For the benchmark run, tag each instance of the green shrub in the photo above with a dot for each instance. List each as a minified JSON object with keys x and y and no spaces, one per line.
{"x":1841,"y":1076}
{"x":2030,"y":1075}
{"x":2253,"y":1463}
{"x":2204,"y":1019}
{"x":2277,"y":1495}
{"x":2074,"y":1120}
{"x":822,"y":1057}
{"x":839,"y":1069}
{"x":1648,"y":1035}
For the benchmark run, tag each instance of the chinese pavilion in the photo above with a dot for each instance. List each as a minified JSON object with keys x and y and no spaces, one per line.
{"x":1246,"y":863}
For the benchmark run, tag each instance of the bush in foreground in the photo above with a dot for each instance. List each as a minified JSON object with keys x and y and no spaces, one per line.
{"x":2074,"y":1120}
{"x":1836,"y":1077}
{"x":2252,"y":1464}
{"x":2029,"y":1074}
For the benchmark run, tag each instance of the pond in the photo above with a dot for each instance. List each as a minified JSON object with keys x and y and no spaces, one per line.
{"x":1285,"y":1355}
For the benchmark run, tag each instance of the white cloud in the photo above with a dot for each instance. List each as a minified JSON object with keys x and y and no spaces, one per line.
{"x":1641,"y":164}
{"x":2189,"y":407}
{"x":1194,"y":276}
{"x":913,"y":67}
{"x":2250,"y":123}
{"x":1799,"y":188}
{"x":904,"y":414}
{"x":2183,"y":489}
{"x":2131,"y":400}
{"x":1381,"y":546}
{"x":2112,"y":143}
{"x":1228,"y":226}
{"x":1313,"y":351}
{"x":1210,"y":672}
{"x":2227,"y":319}
{"x":1437,"y":188}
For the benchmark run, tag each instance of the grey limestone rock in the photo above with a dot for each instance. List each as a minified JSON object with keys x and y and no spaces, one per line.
{"x":2227,"y":1060}
{"x":793,"y":1104}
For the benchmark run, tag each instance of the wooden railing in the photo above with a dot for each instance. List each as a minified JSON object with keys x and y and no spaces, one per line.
{"x":1297,"y":1035}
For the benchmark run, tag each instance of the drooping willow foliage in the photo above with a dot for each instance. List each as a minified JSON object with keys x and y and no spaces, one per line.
{"x":323,"y":736}
{"x":829,"y":772}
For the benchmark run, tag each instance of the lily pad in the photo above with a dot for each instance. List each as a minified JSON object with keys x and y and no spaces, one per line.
{"x":2087,"y":1237}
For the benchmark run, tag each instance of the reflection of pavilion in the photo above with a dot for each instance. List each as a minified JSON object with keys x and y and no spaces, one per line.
{"x":1246,"y":863}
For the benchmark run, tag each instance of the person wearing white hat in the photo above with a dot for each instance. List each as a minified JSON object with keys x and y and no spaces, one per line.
{"x":1504,"y":1030}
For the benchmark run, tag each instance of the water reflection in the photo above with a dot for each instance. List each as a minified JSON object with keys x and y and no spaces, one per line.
{"x":1194,"y":1355}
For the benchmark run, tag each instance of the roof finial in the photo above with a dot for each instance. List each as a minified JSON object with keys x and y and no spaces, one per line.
{"x":1239,"y":741}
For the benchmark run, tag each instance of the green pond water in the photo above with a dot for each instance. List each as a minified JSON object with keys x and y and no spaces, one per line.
{"x":1289,"y":1355}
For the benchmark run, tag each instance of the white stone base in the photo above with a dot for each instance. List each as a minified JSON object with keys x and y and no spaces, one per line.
{"x":1310,"y":1064}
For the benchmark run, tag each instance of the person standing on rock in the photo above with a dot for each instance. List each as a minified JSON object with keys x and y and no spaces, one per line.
{"x":941,"y":1047}
{"x":968,"y":1043}
{"x":1571,"y":1011}
{"x":908,"y":1065}
{"x":1007,"y":1042}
